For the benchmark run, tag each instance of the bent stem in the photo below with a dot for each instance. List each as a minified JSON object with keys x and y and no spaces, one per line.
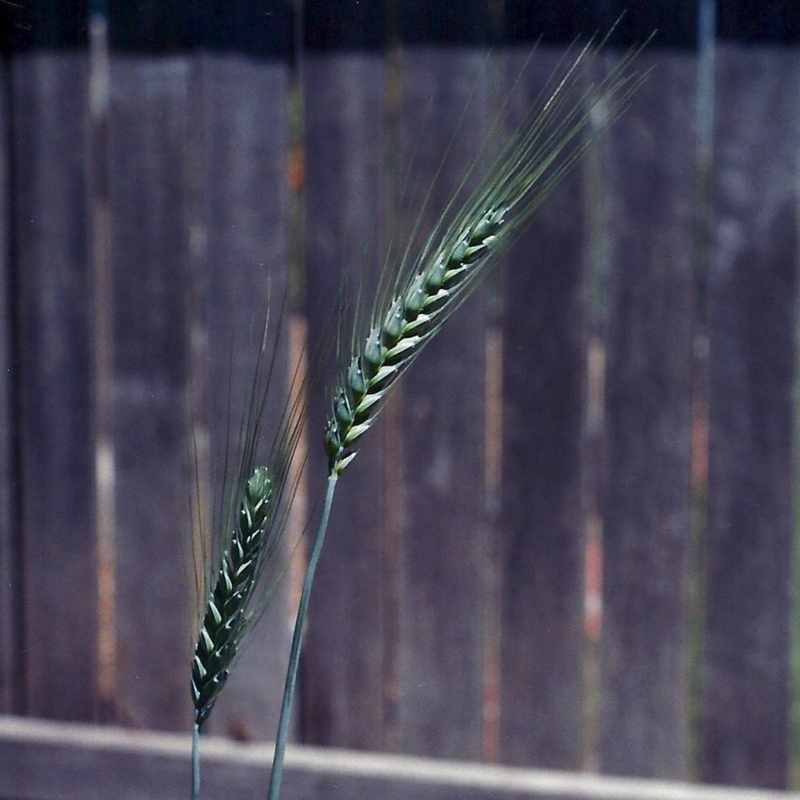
{"x":297,"y":636}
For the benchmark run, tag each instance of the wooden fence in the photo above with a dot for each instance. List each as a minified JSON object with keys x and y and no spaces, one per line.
{"x":624,"y":386}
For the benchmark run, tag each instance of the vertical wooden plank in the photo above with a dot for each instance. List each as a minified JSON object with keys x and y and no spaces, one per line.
{"x":241,"y":229}
{"x":343,"y":699}
{"x":541,"y":708}
{"x":441,"y":444}
{"x":647,"y":515}
{"x":99,"y":230}
{"x":752,"y":296}
{"x":55,"y":432}
{"x":152,"y":481}
{"x":10,"y":584}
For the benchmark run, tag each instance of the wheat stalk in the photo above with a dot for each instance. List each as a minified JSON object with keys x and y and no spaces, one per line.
{"x":428,"y":290}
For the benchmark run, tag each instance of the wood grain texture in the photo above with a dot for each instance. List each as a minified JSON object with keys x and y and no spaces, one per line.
{"x":56,"y":456}
{"x":148,"y":125}
{"x":342,"y":673}
{"x":542,"y":520}
{"x":10,"y":540}
{"x":647,"y":497}
{"x":241,"y":267}
{"x":441,"y":448}
{"x":752,"y":357}
{"x":399,"y":649}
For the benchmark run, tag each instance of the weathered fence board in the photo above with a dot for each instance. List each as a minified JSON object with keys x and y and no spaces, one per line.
{"x":10,"y":584}
{"x":148,"y":126}
{"x":239,"y":239}
{"x":441,"y":447}
{"x":10,"y":590}
{"x":54,"y":428}
{"x":343,"y":690}
{"x":74,"y":762}
{"x":400,"y":652}
{"x":752,"y":317}
{"x":542,"y":522}
{"x":647,"y":498}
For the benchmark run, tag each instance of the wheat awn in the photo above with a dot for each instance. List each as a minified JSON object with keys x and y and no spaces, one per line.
{"x":429,"y":289}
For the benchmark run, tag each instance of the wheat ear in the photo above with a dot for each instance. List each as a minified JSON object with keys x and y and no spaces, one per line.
{"x":227,"y":612}
{"x":249,"y":528}
{"x":457,"y":256}
{"x":226,"y":615}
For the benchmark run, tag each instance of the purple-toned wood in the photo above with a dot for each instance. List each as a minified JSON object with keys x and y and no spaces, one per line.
{"x":752,"y":330}
{"x":644,"y":711}
{"x":54,"y":379}
{"x":542,"y":522}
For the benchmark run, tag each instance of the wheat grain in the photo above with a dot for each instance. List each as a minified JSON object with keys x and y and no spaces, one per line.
{"x":249,"y":527}
{"x":457,"y":256}
{"x":250,"y":524}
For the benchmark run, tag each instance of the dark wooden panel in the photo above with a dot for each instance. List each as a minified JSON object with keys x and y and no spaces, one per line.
{"x":751,"y":21}
{"x":541,"y":527}
{"x":10,"y":572}
{"x":461,"y":22}
{"x":441,"y":444}
{"x":45,"y":24}
{"x":752,"y":295}
{"x":643,"y":702}
{"x":241,"y":257}
{"x":339,"y":24}
{"x":54,"y":373}
{"x":553,"y":20}
{"x":343,"y":670}
{"x":148,"y":125}
{"x":262,"y":29}
{"x":562,"y":21}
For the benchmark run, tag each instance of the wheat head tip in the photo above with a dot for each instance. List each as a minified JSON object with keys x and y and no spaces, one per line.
{"x":226,"y":613}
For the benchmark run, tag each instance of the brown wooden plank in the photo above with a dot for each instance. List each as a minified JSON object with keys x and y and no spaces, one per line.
{"x":752,"y":295}
{"x":442,"y":532}
{"x":99,"y":236}
{"x":77,"y":762}
{"x":647,"y":519}
{"x":542,"y":520}
{"x":10,"y":586}
{"x":242,"y":255}
{"x":54,"y":372}
{"x":148,"y":124}
{"x":344,"y":659}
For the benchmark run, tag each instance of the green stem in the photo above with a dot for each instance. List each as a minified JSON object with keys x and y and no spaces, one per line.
{"x":297,"y":636}
{"x":196,"y":762}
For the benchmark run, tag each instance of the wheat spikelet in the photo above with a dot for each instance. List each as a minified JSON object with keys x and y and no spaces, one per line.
{"x":251,"y":560}
{"x":409,"y":323}
{"x":226,"y":617}
{"x":250,"y":523}
{"x":458,"y":255}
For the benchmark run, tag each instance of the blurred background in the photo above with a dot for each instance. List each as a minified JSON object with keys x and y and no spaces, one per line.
{"x":569,"y":543}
